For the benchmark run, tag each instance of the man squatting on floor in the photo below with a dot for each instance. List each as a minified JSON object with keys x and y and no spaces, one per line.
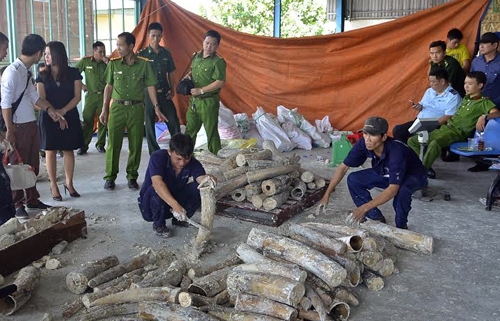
{"x":395,"y":168}
{"x":171,"y":185}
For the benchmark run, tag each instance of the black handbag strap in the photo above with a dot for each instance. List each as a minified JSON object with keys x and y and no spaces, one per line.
{"x":189,"y":65}
{"x":18,"y":101}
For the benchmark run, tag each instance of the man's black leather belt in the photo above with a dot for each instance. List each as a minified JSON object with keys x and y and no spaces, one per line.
{"x":159,"y":90}
{"x":96,"y":92}
{"x":128,"y":102}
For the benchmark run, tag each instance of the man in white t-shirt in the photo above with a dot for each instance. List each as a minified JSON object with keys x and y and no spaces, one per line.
{"x":22,"y":129}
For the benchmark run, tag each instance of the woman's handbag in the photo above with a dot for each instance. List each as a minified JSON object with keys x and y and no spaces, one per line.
{"x":22,"y":176}
{"x":186,"y":84}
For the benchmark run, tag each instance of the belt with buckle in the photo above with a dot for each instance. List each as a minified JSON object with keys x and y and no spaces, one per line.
{"x":128,"y":102}
{"x":159,"y":90}
{"x":96,"y":92}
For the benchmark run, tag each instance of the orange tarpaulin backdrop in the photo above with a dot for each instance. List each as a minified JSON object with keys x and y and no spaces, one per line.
{"x":348,"y":76}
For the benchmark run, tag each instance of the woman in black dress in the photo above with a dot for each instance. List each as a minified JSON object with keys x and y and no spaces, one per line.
{"x":61,"y":85}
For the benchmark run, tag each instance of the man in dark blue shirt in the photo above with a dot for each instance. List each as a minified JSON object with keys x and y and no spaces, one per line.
{"x":170,"y":188}
{"x":488,"y":62}
{"x":395,"y":168}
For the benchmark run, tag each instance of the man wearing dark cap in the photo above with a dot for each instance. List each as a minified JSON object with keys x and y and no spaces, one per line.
{"x":395,"y":168}
{"x":488,"y":62}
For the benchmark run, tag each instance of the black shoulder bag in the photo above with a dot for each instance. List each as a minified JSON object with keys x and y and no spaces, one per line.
{"x":185,"y":85}
{"x":15,"y":104}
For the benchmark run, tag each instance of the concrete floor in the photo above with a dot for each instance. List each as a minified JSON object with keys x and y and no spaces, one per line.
{"x":458,"y":282}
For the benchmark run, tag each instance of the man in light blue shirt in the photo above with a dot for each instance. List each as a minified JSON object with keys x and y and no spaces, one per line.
{"x":439,"y":101}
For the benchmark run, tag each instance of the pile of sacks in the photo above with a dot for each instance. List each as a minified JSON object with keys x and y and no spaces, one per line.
{"x":288,"y":130}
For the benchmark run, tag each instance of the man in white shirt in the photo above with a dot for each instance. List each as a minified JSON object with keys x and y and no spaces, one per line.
{"x":22,"y":129}
{"x":439,"y":101}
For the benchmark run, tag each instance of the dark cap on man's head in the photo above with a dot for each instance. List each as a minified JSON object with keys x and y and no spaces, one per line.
{"x":488,"y":37}
{"x":375,"y":126}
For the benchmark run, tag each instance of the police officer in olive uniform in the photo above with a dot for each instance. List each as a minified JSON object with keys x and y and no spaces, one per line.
{"x":94,"y":67}
{"x":126,"y":78}
{"x":461,"y":125}
{"x":208,"y":72}
{"x":163,"y":65}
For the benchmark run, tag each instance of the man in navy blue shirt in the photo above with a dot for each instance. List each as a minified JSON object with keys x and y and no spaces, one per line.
{"x":488,"y":62}
{"x":395,"y":168}
{"x":170,"y":188}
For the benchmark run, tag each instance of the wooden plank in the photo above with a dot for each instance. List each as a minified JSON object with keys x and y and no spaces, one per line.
{"x":247,"y":212}
{"x":22,"y":253}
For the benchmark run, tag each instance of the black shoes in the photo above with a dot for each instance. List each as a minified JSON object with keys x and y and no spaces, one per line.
{"x":161,"y":231}
{"x":381,"y":220}
{"x":109,"y":185}
{"x":479,"y":167}
{"x":132,"y":184}
{"x":38,"y":206}
{"x":451,"y":157}
{"x":431,"y":173}
{"x":81,"y":151}
{"x":21,"y":213}
{"x":176,"y":222}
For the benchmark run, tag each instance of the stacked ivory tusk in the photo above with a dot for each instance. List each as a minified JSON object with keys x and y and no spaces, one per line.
{"x":265,"y":178}
{"x":306,"y":274}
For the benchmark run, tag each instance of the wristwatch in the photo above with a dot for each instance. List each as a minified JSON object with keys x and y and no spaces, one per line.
{"x":485,"y":117}
{"x":157,"y":105}
{"x":201,"y":90}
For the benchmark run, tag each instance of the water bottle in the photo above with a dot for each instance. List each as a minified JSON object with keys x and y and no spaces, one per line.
{"x":480,"y":142}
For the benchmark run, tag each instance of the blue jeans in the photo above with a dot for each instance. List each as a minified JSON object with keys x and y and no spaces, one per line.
{"x":154,"y":209}
{"x":360,"y":182}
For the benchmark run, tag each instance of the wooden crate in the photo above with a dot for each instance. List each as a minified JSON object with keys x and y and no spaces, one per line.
{"x":24,"y":252}
{"x":247,"y":212}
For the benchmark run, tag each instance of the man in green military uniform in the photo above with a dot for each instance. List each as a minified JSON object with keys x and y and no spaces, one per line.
{"x":163,"y":65}
{"x":94,"y":67}
{"x":126,"y":78}
{"x":461,"y":125}
{"x":456,"y":75}
{"x":208,"y":72}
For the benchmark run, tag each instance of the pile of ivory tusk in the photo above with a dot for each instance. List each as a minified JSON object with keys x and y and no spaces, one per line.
{"x":306,"y":274}
{"x":265,"y":178}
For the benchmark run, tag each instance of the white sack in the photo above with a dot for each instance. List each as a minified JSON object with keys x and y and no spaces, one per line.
{"x":324,"y":125}
{"x":270,"y":129}
{"x":319,"y":139}
{"x":285,"y":114}
{"x":297,"y":136}
{"x":228,"y":129}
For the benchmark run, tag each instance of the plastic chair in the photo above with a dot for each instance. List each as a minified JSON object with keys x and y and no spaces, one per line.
{"x":492,"y":134}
